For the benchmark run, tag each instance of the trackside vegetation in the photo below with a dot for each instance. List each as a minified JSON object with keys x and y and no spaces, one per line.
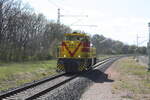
{"x":28,"y":43}
{"x":15,"y":74}
{"x":134,"y":80}
{"x":26,"y":36}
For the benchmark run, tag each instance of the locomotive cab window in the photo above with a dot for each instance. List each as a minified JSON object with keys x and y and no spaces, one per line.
{"x":85,"y":39}
{"x":73,"y":38}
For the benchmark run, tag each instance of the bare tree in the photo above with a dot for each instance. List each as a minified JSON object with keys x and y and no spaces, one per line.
{"x":25,"y":35}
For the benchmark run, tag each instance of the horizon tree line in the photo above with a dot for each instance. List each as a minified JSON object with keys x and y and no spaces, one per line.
{"x":25,"y":35}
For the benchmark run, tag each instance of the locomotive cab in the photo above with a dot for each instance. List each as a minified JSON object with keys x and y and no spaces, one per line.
{"x":75,"y":53}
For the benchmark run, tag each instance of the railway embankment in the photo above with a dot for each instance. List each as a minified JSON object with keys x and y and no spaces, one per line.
{"x":130,"y":81}
{"x":14,"y":74}
{"x":74,"y":89}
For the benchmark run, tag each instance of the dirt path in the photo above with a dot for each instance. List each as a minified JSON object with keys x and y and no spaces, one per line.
{"x":143,"y":60}
{"x":103,"y":91}
{"x":127,"y":80}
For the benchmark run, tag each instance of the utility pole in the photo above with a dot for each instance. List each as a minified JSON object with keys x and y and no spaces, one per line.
{"x":137,"y":40}
{"x":148,"y":48}
{"x":58,"y":18}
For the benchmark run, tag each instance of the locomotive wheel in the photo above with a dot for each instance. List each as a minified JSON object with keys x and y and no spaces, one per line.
{"x":83,"y":65}
{"x":60,"y":66}
{"x":89,"y":63}
{"x":94,"y":61}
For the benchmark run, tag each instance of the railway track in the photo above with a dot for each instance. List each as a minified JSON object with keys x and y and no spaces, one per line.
{"x":41,"y":87}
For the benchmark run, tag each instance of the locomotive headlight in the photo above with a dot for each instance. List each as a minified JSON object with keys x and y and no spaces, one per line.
{"x":91,"y":44}
{"x":79,"y":56}
{"x":64,"y":55}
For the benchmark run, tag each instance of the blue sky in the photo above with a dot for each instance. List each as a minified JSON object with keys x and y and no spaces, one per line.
{"x":117,"y":19}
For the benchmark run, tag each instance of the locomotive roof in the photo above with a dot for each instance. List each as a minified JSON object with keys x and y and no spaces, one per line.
{"x":75,"y":34}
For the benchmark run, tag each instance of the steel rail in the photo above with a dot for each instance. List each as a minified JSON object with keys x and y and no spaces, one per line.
{"x":33,"y":84}
{"x":29,"y":85}
{"x":35,"y":96}
{"x":51,"y":88}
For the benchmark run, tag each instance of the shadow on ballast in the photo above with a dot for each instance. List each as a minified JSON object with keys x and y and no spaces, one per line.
{"x":97,"y":76}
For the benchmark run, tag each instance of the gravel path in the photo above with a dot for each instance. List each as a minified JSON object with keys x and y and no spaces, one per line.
{"x":103,"y":90}
{"x":143,"y":60}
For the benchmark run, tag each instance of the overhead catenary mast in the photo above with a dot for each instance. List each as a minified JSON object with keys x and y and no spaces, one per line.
{"x":73,"y":24}
{"x":148,"y":49}
{"x":137,"y":56}
{"x":58,"y":17}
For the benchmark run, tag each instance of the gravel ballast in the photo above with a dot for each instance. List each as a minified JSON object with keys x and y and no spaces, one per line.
{"x":29,"y":92}
{"x":73,"y":90}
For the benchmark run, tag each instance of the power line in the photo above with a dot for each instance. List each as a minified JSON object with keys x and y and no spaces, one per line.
{"x":75,"y":22}
{"x":142,"y":42}
{"x":74,"y":15}
{"x":55,"y":4}
{"x":86,"y":25}
{"x":60,"y":15}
